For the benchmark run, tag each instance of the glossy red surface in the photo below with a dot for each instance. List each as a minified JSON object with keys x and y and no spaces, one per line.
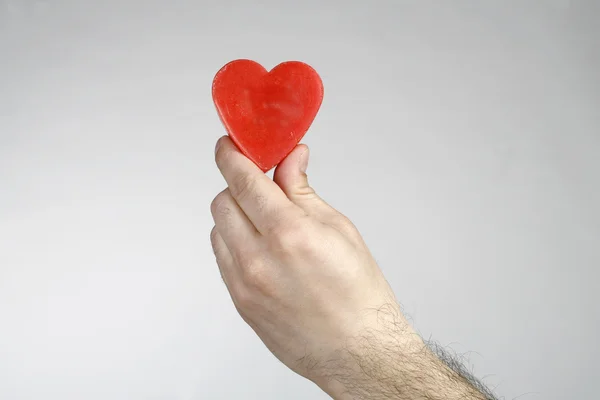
{"x":266,"y":114}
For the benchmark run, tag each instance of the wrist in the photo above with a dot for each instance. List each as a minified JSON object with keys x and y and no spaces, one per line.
{"x":390,"y":361}
{"x":374,"y":358}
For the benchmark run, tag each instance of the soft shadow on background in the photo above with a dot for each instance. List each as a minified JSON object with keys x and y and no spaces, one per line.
{"x":462,"y":138}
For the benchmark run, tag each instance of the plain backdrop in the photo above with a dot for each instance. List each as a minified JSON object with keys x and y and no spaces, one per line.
{"x":463,"y":138}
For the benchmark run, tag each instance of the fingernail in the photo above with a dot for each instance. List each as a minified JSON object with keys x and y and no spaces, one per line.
{"x":218,"y":145}
{"x":303,"y":164}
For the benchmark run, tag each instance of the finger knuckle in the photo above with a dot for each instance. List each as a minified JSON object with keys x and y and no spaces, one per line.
{"x":290,"y":236}
{"x":243,"y":297}
{"x":346,"y":226}
{"x":307,"y":192}
{"x":213,"y":238}
{"x":255,"y":274}
{"x":221,"y":205}
{"x":243,"y":187}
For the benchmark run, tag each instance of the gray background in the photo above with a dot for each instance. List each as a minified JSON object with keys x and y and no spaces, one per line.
{"x":462,"y":138}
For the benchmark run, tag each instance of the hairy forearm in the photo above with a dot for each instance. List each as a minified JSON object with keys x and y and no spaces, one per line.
{"x":392,"y":362}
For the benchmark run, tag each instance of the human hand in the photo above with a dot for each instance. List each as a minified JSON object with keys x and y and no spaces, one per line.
{"x":297,"y":270}
{"x":301,"y":276}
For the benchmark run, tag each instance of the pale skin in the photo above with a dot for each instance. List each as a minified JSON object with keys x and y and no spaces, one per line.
{"x":300,"y":274}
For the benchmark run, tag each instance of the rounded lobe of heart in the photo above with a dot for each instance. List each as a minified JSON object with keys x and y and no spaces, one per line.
{"x":266,"y":114}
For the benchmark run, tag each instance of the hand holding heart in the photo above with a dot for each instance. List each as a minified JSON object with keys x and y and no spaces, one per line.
{"x":297,"y":270}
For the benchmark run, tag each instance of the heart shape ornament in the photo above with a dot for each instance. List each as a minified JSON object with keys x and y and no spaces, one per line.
{"x":267,"y":113}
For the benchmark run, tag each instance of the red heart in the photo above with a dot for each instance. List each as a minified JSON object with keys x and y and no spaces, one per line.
{"x":266,"y":114}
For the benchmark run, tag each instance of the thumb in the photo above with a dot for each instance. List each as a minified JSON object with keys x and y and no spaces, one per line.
{"x":291,"y":177}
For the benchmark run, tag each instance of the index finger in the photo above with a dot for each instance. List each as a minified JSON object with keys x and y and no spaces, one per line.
{"x":259,"y":197}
